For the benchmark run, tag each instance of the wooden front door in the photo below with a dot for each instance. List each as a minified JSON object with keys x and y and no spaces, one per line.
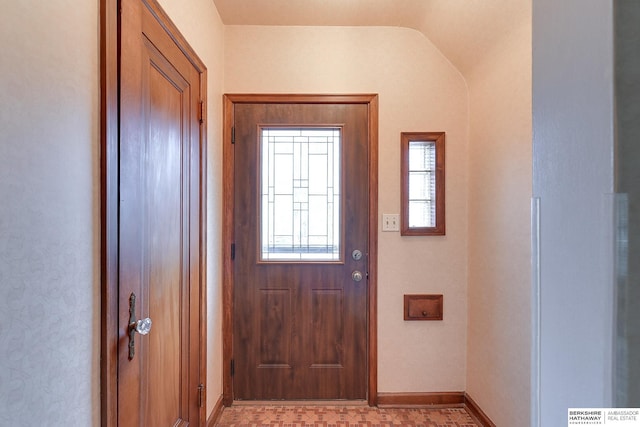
{"x":159,"y":376}
{"x":301,"y":243}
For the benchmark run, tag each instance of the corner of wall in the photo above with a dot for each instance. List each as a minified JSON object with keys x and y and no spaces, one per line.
{"x":499,"y":286}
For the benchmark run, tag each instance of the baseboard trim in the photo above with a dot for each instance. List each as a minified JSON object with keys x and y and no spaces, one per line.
{"x":215,"y":414}
{"x":421,"y":399}
{"x":300,"y":402}
{"x":443,"y":400}
{"x":476,"y":412}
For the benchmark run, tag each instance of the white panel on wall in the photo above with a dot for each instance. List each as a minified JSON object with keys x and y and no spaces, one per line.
{"x":572,"y":175}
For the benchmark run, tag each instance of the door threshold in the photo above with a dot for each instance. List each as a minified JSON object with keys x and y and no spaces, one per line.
{"x":300,"y":403}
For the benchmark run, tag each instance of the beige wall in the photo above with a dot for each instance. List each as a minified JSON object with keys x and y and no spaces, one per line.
{"x":49,"y":199}
{"x":419,"y":91}
{"x":49,"y":213}
{"x":498,"y":352}
{"x":200,"y":24}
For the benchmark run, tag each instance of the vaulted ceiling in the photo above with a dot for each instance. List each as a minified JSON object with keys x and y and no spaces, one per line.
{"x":462,"y":29}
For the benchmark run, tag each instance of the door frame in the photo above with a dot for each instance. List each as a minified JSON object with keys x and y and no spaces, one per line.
{"x":229,"y":101}
{"x":109,"y":185}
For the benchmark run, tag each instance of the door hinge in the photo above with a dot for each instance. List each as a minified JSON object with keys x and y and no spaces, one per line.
{"x":201,"y":395}
{"x":201,"y":112}
{"x":233,"y":367}
{"x":233,"y":135}
{"x":233,"y":251}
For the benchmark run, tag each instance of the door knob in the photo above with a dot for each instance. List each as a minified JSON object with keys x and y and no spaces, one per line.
{"x":141,"y":326}
{"x":356,"y":276}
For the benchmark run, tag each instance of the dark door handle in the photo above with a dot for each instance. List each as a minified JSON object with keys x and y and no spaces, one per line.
{"x":142,"y":326}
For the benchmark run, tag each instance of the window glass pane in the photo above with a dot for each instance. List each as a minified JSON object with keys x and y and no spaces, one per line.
{"x":421,"y":186}
{"x":300,"y":194}
{"x":422,"y":214}
{"x":422,"y":155}
{"x":422,"y":183}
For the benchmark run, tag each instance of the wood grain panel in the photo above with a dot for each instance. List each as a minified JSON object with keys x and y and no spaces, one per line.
{"x":328,"y":328}
{"x":275,"y":328}
{"x":154,"y":192}
{"x":329,"y":311}
{"x":109,"y":158}
{"x":228,"y":209}
{"x":372,"y":309}
{"x":167,"y":226}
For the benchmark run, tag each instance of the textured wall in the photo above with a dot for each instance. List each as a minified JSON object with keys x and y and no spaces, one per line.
{"x":573,"y":177}
{"x":419,"y":91}
{"x":49,"y":214}
{"x":498,"y":352}
{"x":200,"y":24}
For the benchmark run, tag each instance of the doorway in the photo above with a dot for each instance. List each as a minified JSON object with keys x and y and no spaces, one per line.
{"x":300,"y":179}
{"x":153,"y":220}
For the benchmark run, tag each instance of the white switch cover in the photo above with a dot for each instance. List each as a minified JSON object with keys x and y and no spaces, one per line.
{"x":390,"y":222}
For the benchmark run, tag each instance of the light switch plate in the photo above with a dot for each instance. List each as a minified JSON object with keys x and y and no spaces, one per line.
{"x":390,"y":222}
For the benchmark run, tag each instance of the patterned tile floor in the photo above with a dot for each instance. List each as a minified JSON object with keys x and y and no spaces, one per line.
{"x":342,"y":416}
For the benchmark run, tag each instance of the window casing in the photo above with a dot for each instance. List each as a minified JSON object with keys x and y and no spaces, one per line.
{"x":422,"y":191}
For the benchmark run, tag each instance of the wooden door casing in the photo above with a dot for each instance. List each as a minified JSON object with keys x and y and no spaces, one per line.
{"x":153,"y":228}
{"x":366,"y":356}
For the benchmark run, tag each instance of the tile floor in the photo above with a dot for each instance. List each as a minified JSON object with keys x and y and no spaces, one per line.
{"x":342,"y":416}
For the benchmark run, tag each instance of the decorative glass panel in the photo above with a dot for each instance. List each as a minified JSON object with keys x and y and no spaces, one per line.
{"x":300,"y":194}
{"x":422,"y":184}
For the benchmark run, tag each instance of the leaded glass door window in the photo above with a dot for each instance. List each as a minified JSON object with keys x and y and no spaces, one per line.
{"x":300,"y":197}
